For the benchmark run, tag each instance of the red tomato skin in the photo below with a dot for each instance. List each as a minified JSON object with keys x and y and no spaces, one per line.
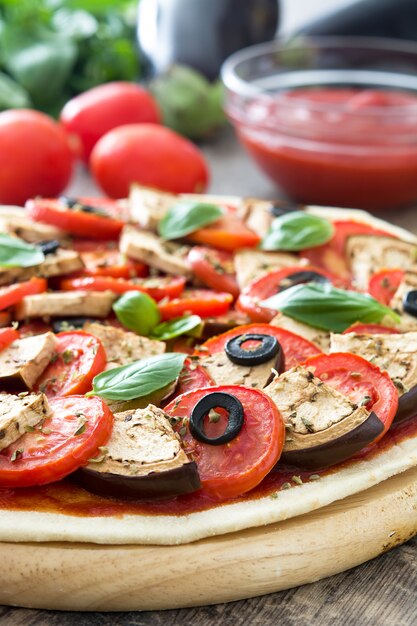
{"x":205,"y":262}
{"x":63,"y":378}
{"x":58,"y":456}
{"x":171,"y":288}
{"x":372,"y":381}
{"x":7,"y":336}
{"x":52,"y":211}
{"x":263,"y":425}
{"x":96,"y":111}
{"x":198,"y":302}
{"x":105,"y":259}
{"x":150,"y":155}
{"x":296,"y":349}
{"x":13,"y":294}
{"x":229,"y":233}
{"x":384,"y":284}
{"x":192,"y":377}
{"x":370,"y":329}
{"x":36,"y":158}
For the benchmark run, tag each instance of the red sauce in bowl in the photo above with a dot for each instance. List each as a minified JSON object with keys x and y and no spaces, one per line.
{"x":335,"y":146}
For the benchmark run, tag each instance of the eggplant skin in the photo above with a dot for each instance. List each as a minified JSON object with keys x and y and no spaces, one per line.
{"x":153,"y":486}
{"x":407,"y":406}
{"x":336,"y":450}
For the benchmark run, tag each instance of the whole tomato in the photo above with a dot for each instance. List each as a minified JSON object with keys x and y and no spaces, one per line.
{"x":35,"y":156}
{"x":150,"y":155}
{"x":93,"y":113}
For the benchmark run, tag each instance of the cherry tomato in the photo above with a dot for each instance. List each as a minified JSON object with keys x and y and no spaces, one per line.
{"x":384,"y":284}
{"x":227,"y":233}
{"x":215,"y":268}
{"x":150,"y":155}
{"x":228,"y":470}
{"x":93,"y":113}
{"x":7,"y":336}
{"x":36,"y":158}
{"x":200,"y":302}
{"x":157,"y":288}
{"x":296,"y":349}
{"x":359,"y":380}
{"x":78,"y":358}
{"x":370,"y":329}
{"x":269,"y":285}
{"x":81,"y":223}
{"x":13,"y":294}
{"x":331,"y":255}
{"x":59,"y":445}
{"x":105,"y":259}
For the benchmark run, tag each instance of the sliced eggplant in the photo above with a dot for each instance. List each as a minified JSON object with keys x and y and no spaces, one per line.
{"x":251,"y":264}
{"x":24,"y":360}
{"x":320,"y":338}
{"x":323,"y":426}
{"x":142,"y":460}
{"x":407,"y":406}
{"x":217,"y":325}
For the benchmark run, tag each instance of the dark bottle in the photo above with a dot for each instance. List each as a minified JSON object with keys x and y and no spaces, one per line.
{"x":202,"y":33}
{"x":374,"y":18}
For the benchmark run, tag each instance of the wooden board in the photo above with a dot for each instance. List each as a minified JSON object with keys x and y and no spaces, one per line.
{"x":88,"y":577}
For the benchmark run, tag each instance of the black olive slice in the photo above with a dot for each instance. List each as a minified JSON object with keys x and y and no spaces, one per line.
{"x":299,"y":278}
{"x":211,"y":401}
{"x":410,"y":302}
{"x":282,"y":208}
{"x":74,"y":323}
{"x":49,"y":247}
{"x":73,"y":203}
{"x":268,"y":348}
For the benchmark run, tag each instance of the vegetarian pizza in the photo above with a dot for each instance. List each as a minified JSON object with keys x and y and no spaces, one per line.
{"x":177,"y":367}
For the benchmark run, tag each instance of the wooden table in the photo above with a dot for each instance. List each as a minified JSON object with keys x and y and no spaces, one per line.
{"x":381,"y":592}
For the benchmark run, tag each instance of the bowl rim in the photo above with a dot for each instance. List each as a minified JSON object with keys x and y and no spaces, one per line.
{"x":241,"y":87}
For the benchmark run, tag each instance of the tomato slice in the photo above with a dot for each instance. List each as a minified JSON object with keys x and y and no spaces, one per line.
{"x":331,"y":255}
{"x":79,"y":357}
{"x":371,"y":329}
{"x":105,"y":259}
{"x":192,"y":377}
{"x":157,"y":288}
{"x":60,"y":445}
{"x":269,"y":285}
{"x":227,"y":233}
{"x":13,"y":294}
{"x":384,"y":284}
{"x":7,"y":336}
{"x":296,"y":349}
{"x":5,"y":318}
{"x":200,"y":302}
{"x":81,"y":223}
{"x":228,"y":470}
{"x":215,"y":268}
{"x":358,"y":379}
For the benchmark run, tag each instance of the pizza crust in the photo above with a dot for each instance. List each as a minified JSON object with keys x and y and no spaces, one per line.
{"x":32,"y":526}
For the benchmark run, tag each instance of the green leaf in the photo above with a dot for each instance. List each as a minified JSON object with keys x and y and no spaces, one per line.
{"x":137,"y":311}
{"x":296,"y":231}
{"x":17,"y":253}
{"x":12,"y":95}
{"x":325,"y":307}
{"x":186,"y":217}
{"x":40,"y":61}
{"x":176,"y":327}
{"x":76,"y":24}
{"x":139,"y":378}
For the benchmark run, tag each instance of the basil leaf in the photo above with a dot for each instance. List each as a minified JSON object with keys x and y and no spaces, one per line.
{"x":325,"y":307}
{"x":297,"y":230}
{"x":186,"y":217}
{"x":12,"y":95}
{"x":175,"y":327}
{"x":137,"y":311}
{"x":17,"y":253}
{"x":139,"y":378}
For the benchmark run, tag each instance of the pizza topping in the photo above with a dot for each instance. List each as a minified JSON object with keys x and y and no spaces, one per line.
{"x":297,"y":230}
{"x":323,"y":426}
{"x":20,"y":414}
{"x":209,"y":405}
{"x":186,"y":217}
{"x":327,"y":307}
{"x":252,"y":349}
{"x":142,"y":459}
{"x":252,"y":264}
{"x":148,"y":207}
{"x":410,"y":303}
{"x":24,"y":360}
{"x":57,"y":263}
{"x":320,"y":338}
{"x":73,"y":303}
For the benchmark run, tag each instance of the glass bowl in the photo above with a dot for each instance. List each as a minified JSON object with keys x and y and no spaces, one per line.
{"x":331,"y":120}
